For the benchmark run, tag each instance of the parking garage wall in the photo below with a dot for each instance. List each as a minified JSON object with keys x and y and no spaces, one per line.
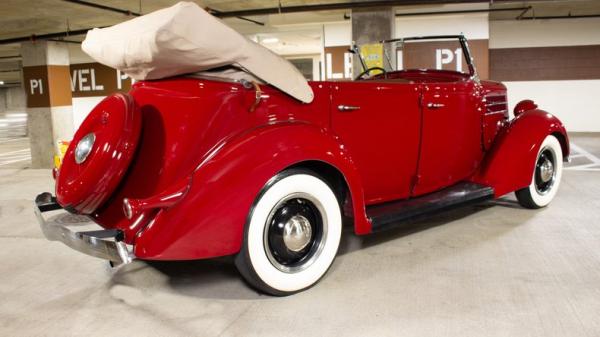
{"x":554,"y":62}
{"x":12,"y":99}
{"x":474,"y":26}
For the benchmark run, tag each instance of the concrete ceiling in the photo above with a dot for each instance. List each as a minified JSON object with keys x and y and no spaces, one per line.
{"x":20,"y":18}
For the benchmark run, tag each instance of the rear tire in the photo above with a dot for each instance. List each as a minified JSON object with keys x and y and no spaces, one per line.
{"x":292,"y":235}
{"x":547,"y":173}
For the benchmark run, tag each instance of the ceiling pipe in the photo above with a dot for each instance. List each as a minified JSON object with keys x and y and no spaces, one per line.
{"x":467,"y":11}
{"x":49,"y":36}
{"x":339,"y":6}
{"x":129,"y":13}
{"x":216,"y":13}
{"x":524,"y":12}
{"x":10,"y":84}
{"x":65,"y":41}
{"x":103,"y":7}
{"x":585,"y":16}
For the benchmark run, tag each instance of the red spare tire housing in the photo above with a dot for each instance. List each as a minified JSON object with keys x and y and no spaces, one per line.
{"x":116,"y":123}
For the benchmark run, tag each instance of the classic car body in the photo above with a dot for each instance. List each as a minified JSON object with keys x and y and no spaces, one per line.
{"x":192,"y":158}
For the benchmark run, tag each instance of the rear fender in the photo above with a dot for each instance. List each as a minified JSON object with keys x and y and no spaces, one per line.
{"x":508,"y":165}
{"x":210,"y":220}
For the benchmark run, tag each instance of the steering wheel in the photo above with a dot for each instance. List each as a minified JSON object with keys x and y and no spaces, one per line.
{"x":367,"y":71}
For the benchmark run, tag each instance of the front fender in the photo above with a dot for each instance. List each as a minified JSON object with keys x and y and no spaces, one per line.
{"x":210,"y":220}
{"x":508,"y":166}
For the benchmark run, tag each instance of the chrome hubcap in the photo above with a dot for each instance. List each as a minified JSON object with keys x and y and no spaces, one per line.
{"x":546,"y":170}
{"x":297,"y":233}
{"x":545,"y":174}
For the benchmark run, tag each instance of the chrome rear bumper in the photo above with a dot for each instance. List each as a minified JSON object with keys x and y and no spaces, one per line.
{"x":106,"y":243}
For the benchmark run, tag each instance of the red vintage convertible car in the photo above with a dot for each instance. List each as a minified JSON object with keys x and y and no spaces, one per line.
{"x":193,"y":167}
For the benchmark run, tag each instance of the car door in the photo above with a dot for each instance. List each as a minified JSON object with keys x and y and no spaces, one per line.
{"x":451,"y":147}
{"x":379,"y":124}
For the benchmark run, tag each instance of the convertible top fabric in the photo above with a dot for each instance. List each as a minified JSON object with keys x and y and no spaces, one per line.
{"x":185,"y":39}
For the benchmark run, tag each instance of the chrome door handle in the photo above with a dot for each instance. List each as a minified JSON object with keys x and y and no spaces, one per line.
{"x":435,"y":105}
{"x":347,"y":107}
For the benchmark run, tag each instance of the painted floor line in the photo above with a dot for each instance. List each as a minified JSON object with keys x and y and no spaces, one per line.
{"x":9,"y":140}
{"x":14,"y":161}
{"x":11,"y":152}
{"x":588,"y":155}
{"x":579,"y":153}
{"x":591,"y":167}
{"x":5,"y":159}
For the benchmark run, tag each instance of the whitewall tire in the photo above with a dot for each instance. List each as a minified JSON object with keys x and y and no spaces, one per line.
{"x":547,"y":173}
{"x":292,"y":235}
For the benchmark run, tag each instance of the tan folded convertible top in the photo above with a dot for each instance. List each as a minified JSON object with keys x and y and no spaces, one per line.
{"x":185,"y":39}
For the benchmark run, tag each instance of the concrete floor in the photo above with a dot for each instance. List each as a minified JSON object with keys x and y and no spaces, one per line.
{"x":14,"y":152}
{"x":490,"y":270}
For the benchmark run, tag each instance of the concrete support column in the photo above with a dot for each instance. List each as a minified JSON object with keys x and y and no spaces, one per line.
{"x":46,"y":82}
{"x":371,"y":25}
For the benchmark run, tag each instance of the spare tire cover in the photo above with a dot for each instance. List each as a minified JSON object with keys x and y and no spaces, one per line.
{"x":111,"y":132}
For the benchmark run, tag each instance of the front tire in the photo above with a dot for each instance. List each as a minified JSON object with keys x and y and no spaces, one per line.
{"x":292,"y":235}
{"x":546,"y":176}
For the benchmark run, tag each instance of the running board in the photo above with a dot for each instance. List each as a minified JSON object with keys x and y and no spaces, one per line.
{"x":391,"y":214}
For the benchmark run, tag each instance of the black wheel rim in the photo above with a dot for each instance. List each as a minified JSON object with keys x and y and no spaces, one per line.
{"x":545,"y":171}
{"x":294,"y":233}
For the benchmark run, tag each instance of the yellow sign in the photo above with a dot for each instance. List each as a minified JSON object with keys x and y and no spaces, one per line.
{"x":372,"y":54}
{"x":62,"y":149}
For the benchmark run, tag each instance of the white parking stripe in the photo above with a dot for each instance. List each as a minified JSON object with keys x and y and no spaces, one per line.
{"x":2,"y":160}
{"x":14,"y":161}
{"x":580,"y":152}
{"x":16,"y":151}
{"x":9,"y":140}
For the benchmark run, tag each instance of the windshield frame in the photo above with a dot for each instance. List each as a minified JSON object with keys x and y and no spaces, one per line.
{"x":461,"y":39}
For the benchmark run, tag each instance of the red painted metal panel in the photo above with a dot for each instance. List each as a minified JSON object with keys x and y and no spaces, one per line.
{"x":202,"y":141}
{"x":451,"y":139}
{"x":509,"y":164}
{"x":494,"y":109}
{"x":210,"y":220}
{"x":382,"y":134}
{"x":115,"y":126}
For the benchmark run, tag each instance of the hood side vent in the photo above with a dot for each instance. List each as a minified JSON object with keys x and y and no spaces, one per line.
{"x":496,"y":104}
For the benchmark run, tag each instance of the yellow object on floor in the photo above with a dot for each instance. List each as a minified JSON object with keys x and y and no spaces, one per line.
{"x":62,"y":145}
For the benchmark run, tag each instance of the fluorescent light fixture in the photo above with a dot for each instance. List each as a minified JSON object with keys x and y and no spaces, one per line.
{"x":270,"y":40}
{"x":1,"y":82}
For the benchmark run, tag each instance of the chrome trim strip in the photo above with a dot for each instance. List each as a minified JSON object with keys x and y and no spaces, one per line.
{"x":435,"y":105}
{"x":104,"y":244}
{"x":495,"y":94}
{"x":503,"y":112}
{"x":347,"y":108}
{"x":201,"y":76}
{"x":489,"y":104}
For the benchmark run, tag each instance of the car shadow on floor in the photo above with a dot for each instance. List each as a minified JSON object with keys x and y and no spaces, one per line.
{"x":351,"y":242}
{"x":218,"y":278}
{"x":215,"y":278}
